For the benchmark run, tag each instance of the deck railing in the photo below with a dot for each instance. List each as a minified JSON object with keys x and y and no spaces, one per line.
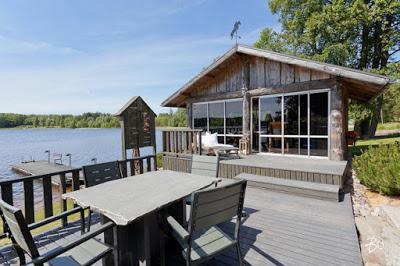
{"x":71,"y":177}
{"x":182,"y":141}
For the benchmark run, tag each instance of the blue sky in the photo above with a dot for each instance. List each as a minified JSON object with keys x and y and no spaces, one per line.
{"x":79,"y":56}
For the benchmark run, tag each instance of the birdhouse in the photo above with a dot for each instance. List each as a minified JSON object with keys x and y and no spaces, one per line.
{"x":138,"y":126}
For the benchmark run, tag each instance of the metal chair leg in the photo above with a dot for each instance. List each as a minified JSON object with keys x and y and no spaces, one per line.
{"x":239,"y":254}
{"x":89,"y":220}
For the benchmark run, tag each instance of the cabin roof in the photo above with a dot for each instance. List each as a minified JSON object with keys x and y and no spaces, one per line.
{"x":131,"y":101}
{"x":353,"y":77}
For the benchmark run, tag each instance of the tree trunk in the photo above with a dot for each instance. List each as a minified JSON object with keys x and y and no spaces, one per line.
{"x":375,"y":117}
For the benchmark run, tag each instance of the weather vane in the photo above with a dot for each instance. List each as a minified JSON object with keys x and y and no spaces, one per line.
{"x":234,"y":32}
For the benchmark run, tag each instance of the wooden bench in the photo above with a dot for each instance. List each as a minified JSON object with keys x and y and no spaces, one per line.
{"x":301,"y":188}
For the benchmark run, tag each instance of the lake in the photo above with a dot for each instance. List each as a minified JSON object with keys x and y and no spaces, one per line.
{"x":17,"y":145}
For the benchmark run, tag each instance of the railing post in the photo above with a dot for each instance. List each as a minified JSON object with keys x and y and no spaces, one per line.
{"x":63,"y":202}
{"x":29,"y":202}
{"x":47,"y":196}
{"x":148,"y":162}
{"x":124,"y":169}
{"x":168,"y":141}
{"x":132,"y":168}
{"x":7,"y":196}
{"x":200,"y":147}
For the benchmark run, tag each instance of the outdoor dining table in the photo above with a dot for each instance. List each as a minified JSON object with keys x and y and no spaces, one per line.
{"x":133,"y":203}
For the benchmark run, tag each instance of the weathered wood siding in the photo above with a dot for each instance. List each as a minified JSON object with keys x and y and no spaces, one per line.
{"x":182,"y":163}
{"x":230,"y":171}
{"x":254,"y":73}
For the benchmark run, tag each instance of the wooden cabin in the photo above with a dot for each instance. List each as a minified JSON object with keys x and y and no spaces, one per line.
{"x":284,"y":105}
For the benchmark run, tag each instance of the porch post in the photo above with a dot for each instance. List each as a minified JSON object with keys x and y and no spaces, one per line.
{"x":189,"y":115}
{"x":246,"y":115}
{"x":338,"y":121}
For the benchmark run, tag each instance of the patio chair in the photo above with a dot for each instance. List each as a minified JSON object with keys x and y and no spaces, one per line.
{"x":203,"y":239}
{"x":96,"y":174}
{"x":204,"y":165}
{"x":82,"y":251}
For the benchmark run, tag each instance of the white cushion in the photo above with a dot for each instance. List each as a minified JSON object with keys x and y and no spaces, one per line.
{"x":213,"y":139}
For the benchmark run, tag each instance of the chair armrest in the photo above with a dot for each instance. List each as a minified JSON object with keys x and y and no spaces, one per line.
{"x":62,"y":249}
{"x":55,"y":218}
{"x":177,"y":228}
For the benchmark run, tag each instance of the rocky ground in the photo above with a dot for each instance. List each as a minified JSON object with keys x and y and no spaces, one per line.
{"x":377,"y":219}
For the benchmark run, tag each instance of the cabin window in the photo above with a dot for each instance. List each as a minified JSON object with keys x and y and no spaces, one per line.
{"x":200,"y":116}
{"x":216,"y":119}
{"x":292,"y":124}
{"x":222,"y":117}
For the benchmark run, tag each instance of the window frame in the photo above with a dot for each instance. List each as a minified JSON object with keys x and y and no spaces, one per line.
{"x":208,"y":116}
{"x":282,"y":135}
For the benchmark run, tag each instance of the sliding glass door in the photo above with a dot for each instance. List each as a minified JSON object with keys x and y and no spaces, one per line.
{"x":291,"y":124}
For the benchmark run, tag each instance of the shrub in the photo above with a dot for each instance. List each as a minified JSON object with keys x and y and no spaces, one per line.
{"x":159,"y":159}
{"x":378,"y":168}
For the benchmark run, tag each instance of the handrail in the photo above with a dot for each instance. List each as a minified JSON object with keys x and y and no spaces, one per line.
{"x":182,"y":129}
{"x":131,"y":166}
{"x":34,"y":177}
{"x":182,"y":141}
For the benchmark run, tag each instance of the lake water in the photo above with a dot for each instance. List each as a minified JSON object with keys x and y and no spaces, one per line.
{"x":17,"y":145}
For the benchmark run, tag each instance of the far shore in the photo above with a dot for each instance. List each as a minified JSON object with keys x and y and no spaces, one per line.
{"x":16,"y":128}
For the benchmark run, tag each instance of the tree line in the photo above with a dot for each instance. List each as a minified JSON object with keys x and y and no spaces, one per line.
{"x":360,"y":34}
{"x":172,"y":119}
{"x":85,"y":120}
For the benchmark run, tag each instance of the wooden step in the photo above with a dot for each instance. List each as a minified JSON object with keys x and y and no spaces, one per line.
{"x":301,"y":188}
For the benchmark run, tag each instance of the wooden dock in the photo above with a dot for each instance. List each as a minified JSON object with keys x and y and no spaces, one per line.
{"x":43,"y":168}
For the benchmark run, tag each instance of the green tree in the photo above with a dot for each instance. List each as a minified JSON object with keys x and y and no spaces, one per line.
{"x":362,"y":34}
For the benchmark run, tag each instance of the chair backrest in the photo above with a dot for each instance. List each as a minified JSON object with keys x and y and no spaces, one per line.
{"x":205,"y":165}
{"x":18,"y":228}
{"x":100,"y":173}
{"x":214,"y":206}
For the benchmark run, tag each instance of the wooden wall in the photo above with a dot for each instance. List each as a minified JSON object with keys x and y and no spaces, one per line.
{"x":259,"y":76}
{"x":253,"y":73}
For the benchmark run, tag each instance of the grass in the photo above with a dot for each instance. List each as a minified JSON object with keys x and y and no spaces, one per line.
{"x":389,"y":126}
{"x":362,"y":145}
{"x":39,"y":215}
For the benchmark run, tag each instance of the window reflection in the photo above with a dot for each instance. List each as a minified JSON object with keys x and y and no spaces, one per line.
{"x":271,"y":144}
{"x":319,"y":114}
{"x":234,"y":117}
{"x":271,"y":115}
{"x":216,"y":117}
{"x":200,"y":116}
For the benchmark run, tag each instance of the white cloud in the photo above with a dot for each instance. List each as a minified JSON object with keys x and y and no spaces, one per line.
{"x":103,"y":82}
{"x":15,"y":46}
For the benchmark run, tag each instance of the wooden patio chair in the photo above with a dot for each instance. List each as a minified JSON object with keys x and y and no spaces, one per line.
{"x":82,"y":251}
{"x":203,"y":239}
{"x":96,"y":174}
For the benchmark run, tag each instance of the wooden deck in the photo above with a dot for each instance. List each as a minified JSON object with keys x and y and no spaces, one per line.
{"x":281,"y":229}
{"x":304,"y":169}
{"x":44,"y":168}
{"x":40,"y":168}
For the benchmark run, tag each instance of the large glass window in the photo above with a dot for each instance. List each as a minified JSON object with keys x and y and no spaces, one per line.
{"x":200,"y":116}
{"x":319,"y":114}
{"x":222,"y":117}
{"x":303,"y":129}
{"x":271,"y":116}
{"x":216,"y":117}
{"x":234,"y":117}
